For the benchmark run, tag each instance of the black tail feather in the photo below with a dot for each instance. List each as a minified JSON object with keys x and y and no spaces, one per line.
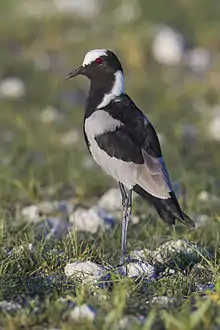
{"x":168,"y":209}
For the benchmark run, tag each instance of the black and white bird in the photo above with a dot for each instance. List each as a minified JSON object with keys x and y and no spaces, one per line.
{"x":123,"y":142}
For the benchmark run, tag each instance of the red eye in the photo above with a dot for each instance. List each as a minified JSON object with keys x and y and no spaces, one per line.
{"x":99,"y":61}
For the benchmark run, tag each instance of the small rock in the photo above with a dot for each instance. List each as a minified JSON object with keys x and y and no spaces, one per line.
{"x":91,"y":220}
{"x":205,"y":196}
{"x":168,"y":46}
{"x":178,"y":252}
{"x":70,"y":138}
{"x":128,"y":322}
{"x":9,"y":306}
{"x":31,"y":213}
{"x":198,"y":60}
{"x":83,"y":312}
{"x":49,"y":115}
{"x":214,"y":128}
{"x":12,"y":88}
{"x":140,"y":255}
{"x":88,"y":162}
{"x":111,"y":200}
{"x":201,"y":220}
{"x":46,"y":207}
{"x":86,"y":271}
{"x":140,"y":269}
{"x":135,"y":219}
{"x":164,"y":301}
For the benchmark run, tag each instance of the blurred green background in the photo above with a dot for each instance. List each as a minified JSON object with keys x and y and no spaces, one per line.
{"x":171,"y":59}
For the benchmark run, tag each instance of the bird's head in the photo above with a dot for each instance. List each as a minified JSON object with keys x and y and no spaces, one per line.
{"x":105,"y":72}
{"x":98,"y":64}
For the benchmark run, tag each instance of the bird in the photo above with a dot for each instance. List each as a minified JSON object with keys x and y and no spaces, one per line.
{"x":124,"y":143}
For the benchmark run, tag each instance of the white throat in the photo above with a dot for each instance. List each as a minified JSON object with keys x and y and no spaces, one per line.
{"x":117,"y":89}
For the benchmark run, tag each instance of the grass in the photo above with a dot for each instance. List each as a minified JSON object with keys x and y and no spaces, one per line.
{"x":35,"y":165}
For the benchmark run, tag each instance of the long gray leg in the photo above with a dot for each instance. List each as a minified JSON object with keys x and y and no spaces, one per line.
{"x":127,"y":205}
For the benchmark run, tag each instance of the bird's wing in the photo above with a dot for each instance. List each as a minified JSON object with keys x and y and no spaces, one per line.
{"x":152,"y":174}
{"x":153,"y":182}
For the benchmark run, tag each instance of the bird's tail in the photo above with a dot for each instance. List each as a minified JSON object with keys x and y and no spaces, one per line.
{"x":168,"y":209}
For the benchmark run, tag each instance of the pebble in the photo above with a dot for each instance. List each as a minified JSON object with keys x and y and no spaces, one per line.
{"x":31,"y":213}
{"x":205,"y":196}
{"x":163,"y":301}
{"x":214,"y":128}
{"x":140,"y":255}
{"x":200,"y":220}
{"x":70,"y":138}
{"x":140,"y":269}
{"x":12,"y":88}
{"x":86,"y":271}
{"x":9,"y":306}
{"x":167,"y":46}
{"x":111,"y":200}
{"x":177,"y":251}
{"x":84,"y":8}
{"x":91,"y":220}
{"x":49,"y":115}
{"x":46,"y":207}
{"x":83,"y":312}
{"x":199,"y":60}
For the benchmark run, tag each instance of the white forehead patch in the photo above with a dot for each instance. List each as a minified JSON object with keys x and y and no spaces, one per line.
{"x":92,"y":55}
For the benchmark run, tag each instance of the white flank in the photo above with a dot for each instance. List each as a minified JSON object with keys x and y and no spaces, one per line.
{"x":92,"y":55}
{"x":117,"y":89}
{"x":100,"y":122}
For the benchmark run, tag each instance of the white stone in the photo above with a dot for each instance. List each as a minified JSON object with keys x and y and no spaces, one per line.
{"x":128,"y":12}
{"x":31,"y":213}
{"x":168,"y":46}
{"x":203,"y":196}
{"x":85,"y":8}
{"x":83,"y":312}
{"x":9,"y":306}
{"x":214,"y":128}
{"x":137,"y":269}
{"x":46,"y":207}
{"x":111,"y":200}
{"x":49,"y":115}
{"x":87,"y":220}
{"x":12,"y":88}
{"x":201,"y":220}
{"x":198,"y":59}
{"x":163,"y":300}
{"x":88,"y":162}
{"x":171,"y":249}
{"x":141,"y":255}
{"x":86,"y":271}
{"x":70,"y":138}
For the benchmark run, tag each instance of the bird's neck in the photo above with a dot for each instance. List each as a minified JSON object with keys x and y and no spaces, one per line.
{"x":103,"y":91}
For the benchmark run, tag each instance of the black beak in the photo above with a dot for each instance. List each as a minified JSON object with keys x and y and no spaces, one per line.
{"x":75,"y":72}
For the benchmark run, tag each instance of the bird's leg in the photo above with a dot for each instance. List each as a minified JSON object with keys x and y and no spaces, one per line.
{"x":174,"y":231}
{"x":127,"y":204}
